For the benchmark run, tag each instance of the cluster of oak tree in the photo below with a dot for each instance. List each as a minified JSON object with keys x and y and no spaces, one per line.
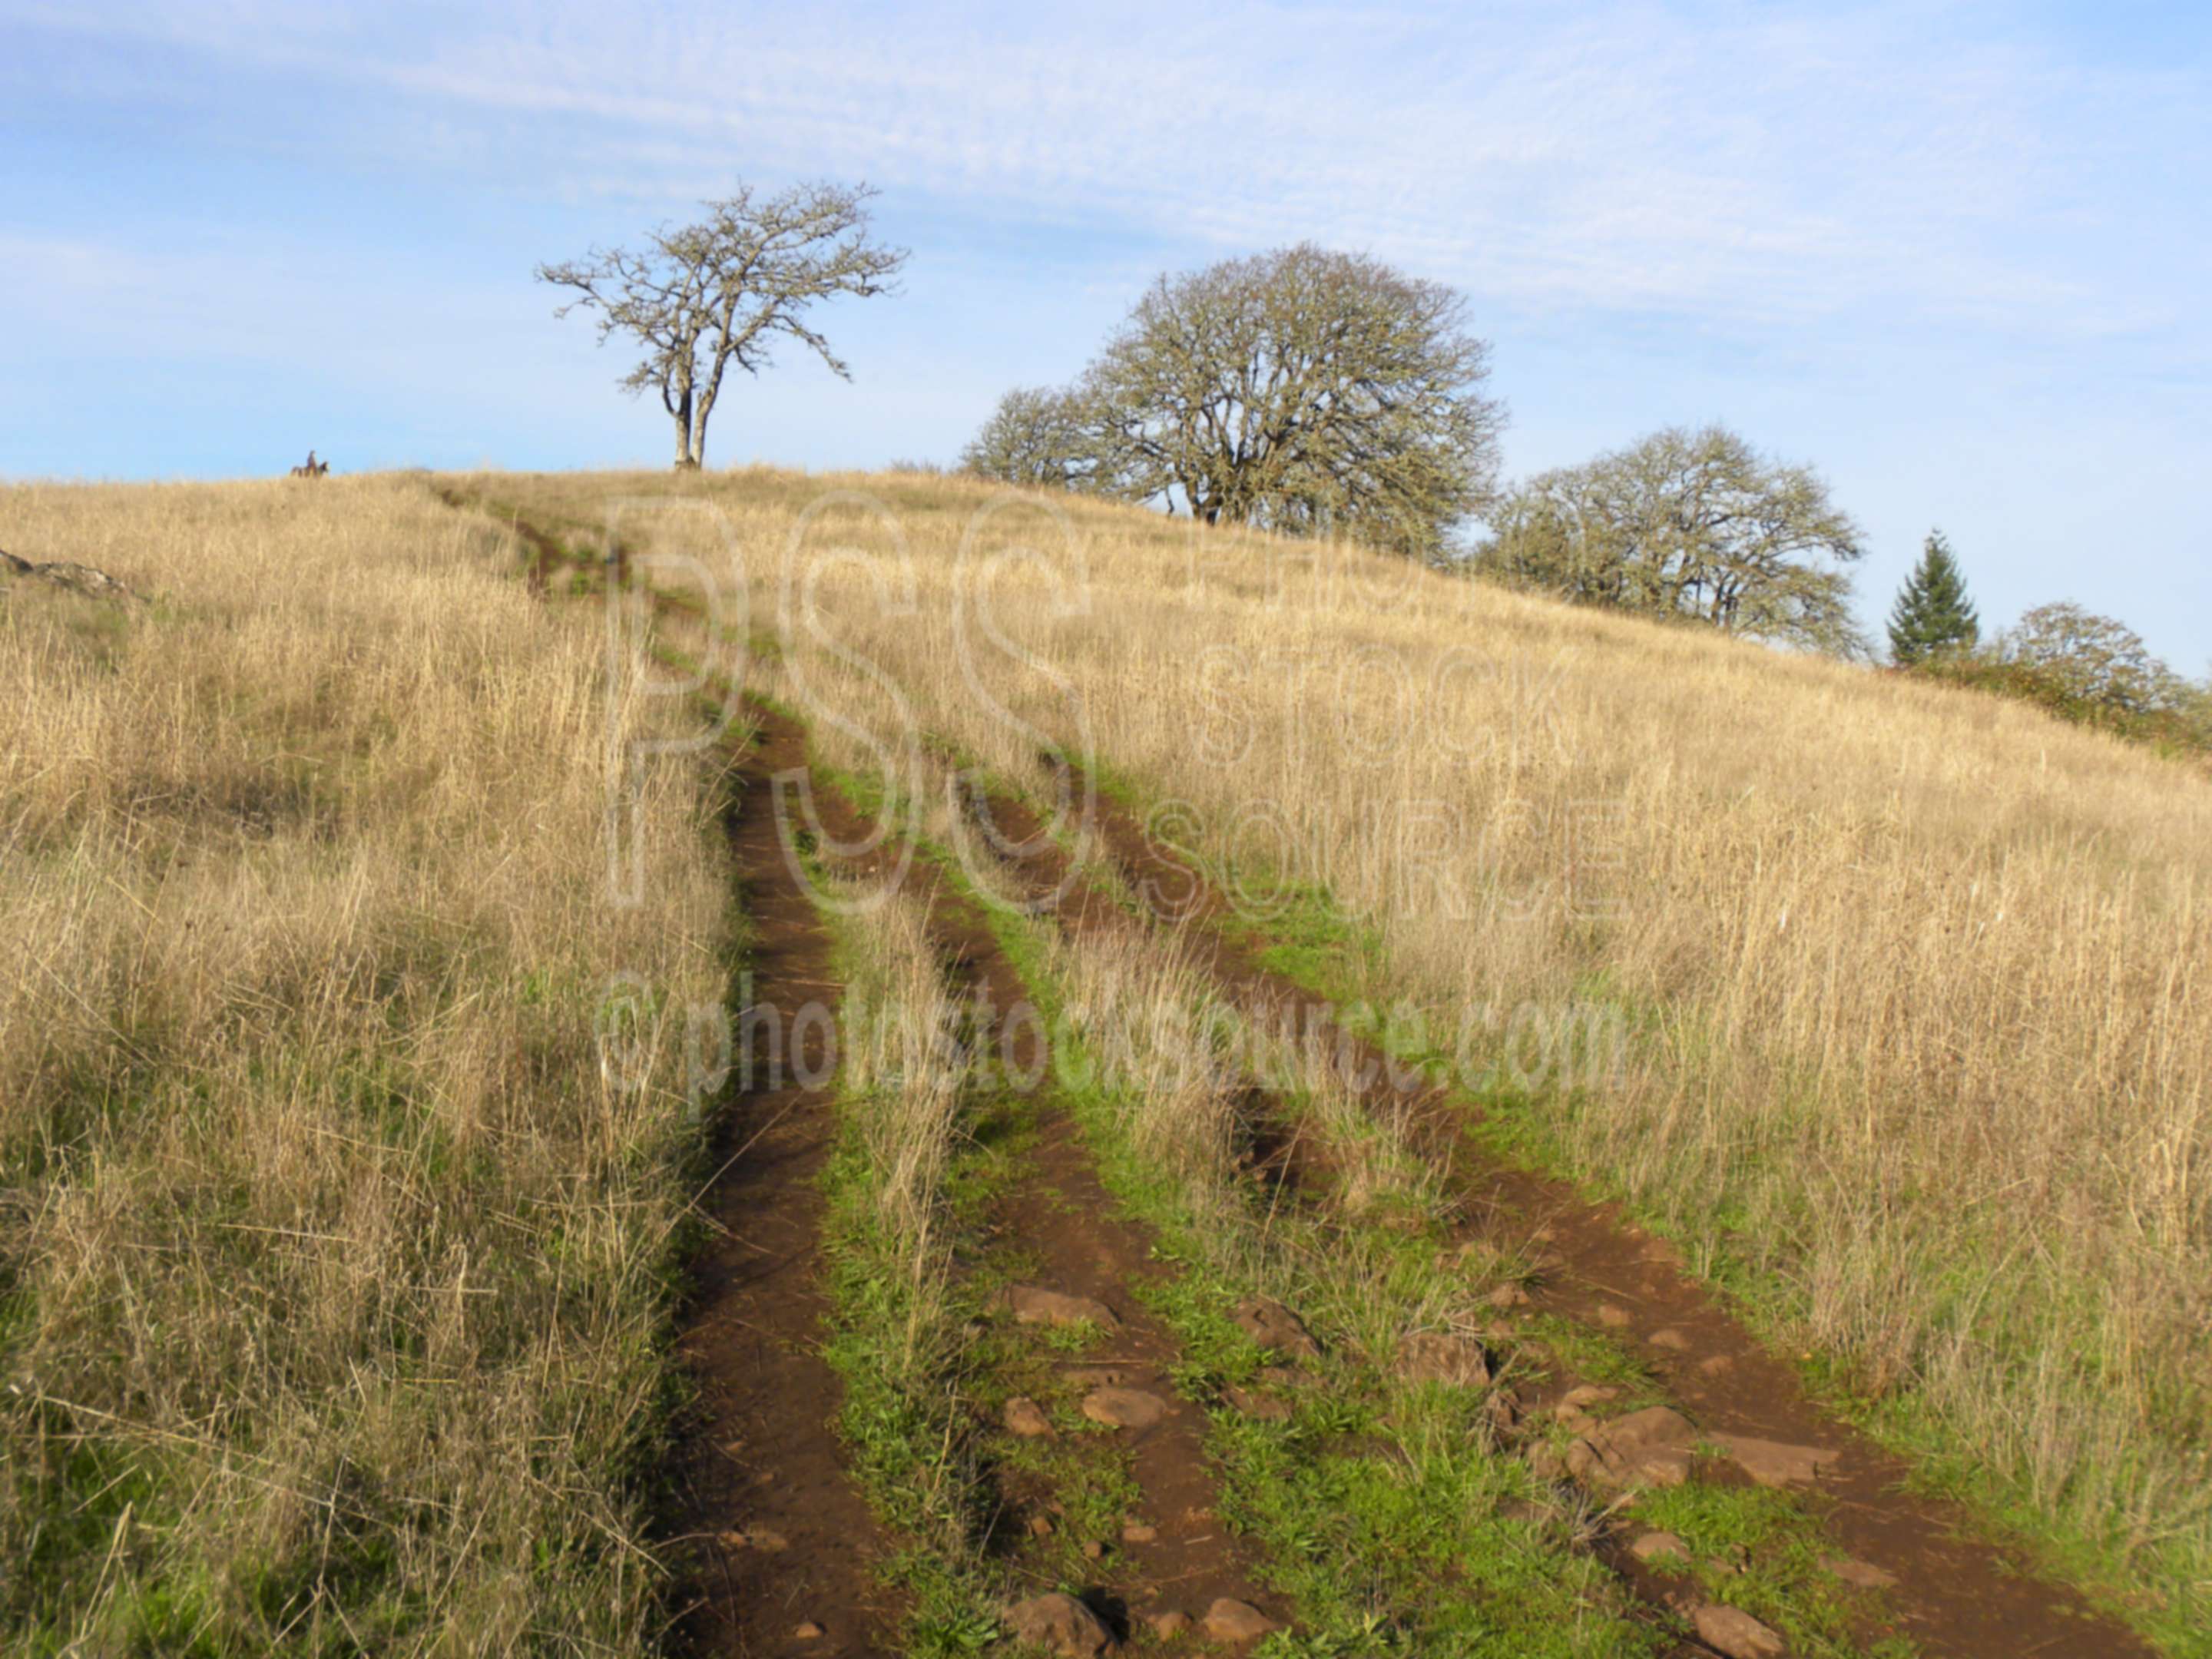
{"x":1315,"y":392}
{"x":1310,"y":392}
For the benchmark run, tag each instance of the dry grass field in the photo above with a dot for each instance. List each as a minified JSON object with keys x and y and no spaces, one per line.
{"x":1920,"y":1056}
{"x":335,"y":1266}
{"x":332,"y":1270}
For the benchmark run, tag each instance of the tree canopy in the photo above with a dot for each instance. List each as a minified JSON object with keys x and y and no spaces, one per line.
{"x":2094,"y":658}
{"x":1301,"y":391}
{"x":1037,"y":436}
{"x":1692,"y":524}
{"x":700,"y":297}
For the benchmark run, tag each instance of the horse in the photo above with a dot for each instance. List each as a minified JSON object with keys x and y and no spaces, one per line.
{"x":313,"y":469}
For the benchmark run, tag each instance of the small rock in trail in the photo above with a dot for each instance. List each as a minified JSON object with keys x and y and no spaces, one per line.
{"x":1035,"y":1305}
{"x":1659,"y":1546}
{"x":1025,"y":1418}
{"x":1231,"y":1620}
{"x":1061,"y":1623}
{"x":1124,"y":1409}
{"x":1647,"y":1448}
{"x":1275,"y":1327}
{"x":1579,"y":1399}
{"x":1864,"y":1574}
{"x":1775,"y":1463}
{"x":1169,"y":1625}
{"x":810,"y":1632}
{"x":1138,"y":1532}
{"x":1735,"y":1633}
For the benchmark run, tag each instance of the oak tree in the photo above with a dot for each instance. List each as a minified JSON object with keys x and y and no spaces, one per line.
{"x":1692,"y":524}
{"x":1302,"y":390}
{"x":1037,"y":436}
{"x":2094,"y":659}
{"x":1299,"y":389}
{"x":701,"y":297}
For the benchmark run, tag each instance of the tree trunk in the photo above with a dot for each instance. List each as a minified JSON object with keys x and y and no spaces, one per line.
{"x":683,"y":416}
{"x":707,"y":397}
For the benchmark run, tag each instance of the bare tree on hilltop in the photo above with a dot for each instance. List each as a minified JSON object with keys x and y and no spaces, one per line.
{"x":701,"y":297}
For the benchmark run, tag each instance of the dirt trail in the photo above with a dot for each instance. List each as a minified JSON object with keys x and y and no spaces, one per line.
{"x":769,"y":1462}
{"x":781,"y":1541}
{"x":778,"y":1536}
{"x":1062,"y":1216}
{"x":774,"y":1543}
{"x":1955,"y":1594}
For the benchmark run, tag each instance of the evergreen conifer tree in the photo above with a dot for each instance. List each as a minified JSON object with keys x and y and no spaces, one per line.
{"x":1932,"y":614}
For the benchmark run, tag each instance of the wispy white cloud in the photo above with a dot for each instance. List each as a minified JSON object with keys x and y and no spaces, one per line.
{"x":1638,"y":156}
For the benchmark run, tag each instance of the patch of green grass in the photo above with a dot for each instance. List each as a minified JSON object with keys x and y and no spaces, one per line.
{"x":1382,"y":1509}
{"x":928,"y":1373}
{"x":1748,"y":1547}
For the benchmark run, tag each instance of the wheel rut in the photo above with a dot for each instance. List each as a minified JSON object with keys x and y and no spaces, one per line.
{"x":1180,"y":1556}
{"x":1954,"y":1592}
{"x":780,"y":1545}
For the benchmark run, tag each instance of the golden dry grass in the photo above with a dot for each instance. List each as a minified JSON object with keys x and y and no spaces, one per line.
{"x":1917,"y":980}
{"x":331,"y":1258}
{"x":333,"y":1261}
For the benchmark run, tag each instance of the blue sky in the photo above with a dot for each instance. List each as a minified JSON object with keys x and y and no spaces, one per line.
{"x":1956,"y":256}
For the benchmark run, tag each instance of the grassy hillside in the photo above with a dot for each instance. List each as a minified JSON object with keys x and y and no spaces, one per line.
{"x":1919,"y":1057}
{"x":334,"y":1261}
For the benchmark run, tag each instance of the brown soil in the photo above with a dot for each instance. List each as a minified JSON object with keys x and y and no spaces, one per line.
{"x":779,"y":1536}
{"x":1956,"y":1593}
{"x":1063,"y":1217}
